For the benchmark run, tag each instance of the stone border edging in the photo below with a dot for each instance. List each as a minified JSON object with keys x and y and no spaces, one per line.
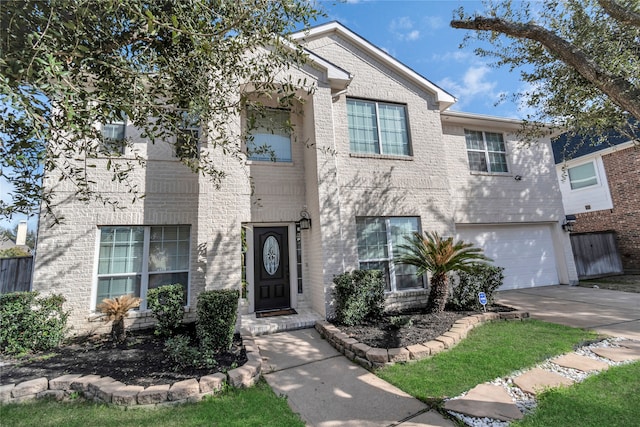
{"x":110,"y":391}
{"x":372,"y":357}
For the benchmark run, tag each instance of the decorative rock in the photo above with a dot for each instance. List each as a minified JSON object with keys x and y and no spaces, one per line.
{"x":30,"y":387}
{"x":360,"y":349}
{"x":399,"y":355}
{"x":349,"y":343}
{"x":51,"y":394}
{"x":105,"y":391}
{"x":461,"y":331}
{"x":537,"y":380}
{"x":82,"y":383}
{"x":244,"y":376}
{"x":581,"y":363}
{"x":126,"y":396}
{"x":349,"y":354}
{"x":617,"y":354}
{"x":153,"y":394}
{"x":363,"y":362}
{"x":94,"y":386}
{"x":435,"y":347}
{"x":63,"y":383}
{"x":378,"y":355}
{"x":212,"y":383}
{"x":486,"y":400}
{"x":183,"y":389}
{"x":5,"y":392}
{"x":418,"y":351}
{"x":454,"y":335}
{"x":448,"y":342}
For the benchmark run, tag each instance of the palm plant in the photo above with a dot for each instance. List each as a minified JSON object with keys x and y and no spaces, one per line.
{"x":439,"y":255}
{"x":117,"y":309}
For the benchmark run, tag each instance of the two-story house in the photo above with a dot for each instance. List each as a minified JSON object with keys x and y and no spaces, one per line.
{"x":374,"y":155}
{"x":600,"y":185}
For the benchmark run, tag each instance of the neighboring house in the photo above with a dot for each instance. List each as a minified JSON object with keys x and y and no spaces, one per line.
{"x":600,"y":185}
{"x":374,"y":156}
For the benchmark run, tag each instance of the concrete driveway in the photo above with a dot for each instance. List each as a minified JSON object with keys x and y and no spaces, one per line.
{"x":609,"y":312}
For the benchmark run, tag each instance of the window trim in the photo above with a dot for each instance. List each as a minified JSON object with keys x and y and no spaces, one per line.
{"x":595,"y":175}
{"x":145,"y":272}
{"x":274,"y":160}
{"x":486,"y":152}
{"x":390,"y":254}
{"x":380,"y":153}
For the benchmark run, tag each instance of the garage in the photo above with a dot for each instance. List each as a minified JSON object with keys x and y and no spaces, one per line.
{"x":525,"y":251}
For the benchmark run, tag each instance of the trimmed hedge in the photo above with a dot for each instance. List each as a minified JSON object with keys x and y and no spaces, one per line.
{"x":216,"y":319}
{"x":30,"y":323}
{"x":466,"y":286}
{"x":167,"y":304}
{"x":359,"y":296}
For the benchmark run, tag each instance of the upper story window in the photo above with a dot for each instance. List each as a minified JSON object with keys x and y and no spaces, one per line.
{"x":188,"y":137}
{"x":377,"y":128}
{"x":486,"y":151}
{"x":269,"y":136}
{"x":378,"y":241}
{"x":113,"y":134}
{"x":582,"y":176}
{"x":134,"y":259}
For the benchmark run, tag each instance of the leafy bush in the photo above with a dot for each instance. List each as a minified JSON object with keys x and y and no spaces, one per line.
{"x":30,"y":323}
{"x":481,"y":278}
{"x":216,"y":319}
{"x":181,"y":353}
{"x":399,"y":321}
{"x":359,"y":296}
{"x":167,"y":304}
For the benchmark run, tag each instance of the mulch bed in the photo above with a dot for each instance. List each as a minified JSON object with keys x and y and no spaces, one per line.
{"x":409,"y":328}
{"x":141,"y":361}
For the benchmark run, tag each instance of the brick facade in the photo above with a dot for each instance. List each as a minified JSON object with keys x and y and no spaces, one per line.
{"x":623,"y":175}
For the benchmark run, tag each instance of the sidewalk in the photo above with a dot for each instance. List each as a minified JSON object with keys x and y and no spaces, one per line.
{"x":613,"y":313}
{"x":328,"y":390}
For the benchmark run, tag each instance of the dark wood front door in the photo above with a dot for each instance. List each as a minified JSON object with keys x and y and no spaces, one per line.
{"x":271,"y":268}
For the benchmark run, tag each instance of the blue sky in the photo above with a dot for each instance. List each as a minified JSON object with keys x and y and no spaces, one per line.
{"x":418,"y":34}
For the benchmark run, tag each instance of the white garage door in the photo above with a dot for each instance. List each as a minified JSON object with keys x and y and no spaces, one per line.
{"x":525,"y":251}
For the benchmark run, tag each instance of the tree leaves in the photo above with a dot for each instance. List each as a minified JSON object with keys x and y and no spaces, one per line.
{"x":67,"y":65}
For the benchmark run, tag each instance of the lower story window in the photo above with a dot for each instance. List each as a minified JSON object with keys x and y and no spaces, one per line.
{"x":134,"y":259}
{"x":378,"y":241}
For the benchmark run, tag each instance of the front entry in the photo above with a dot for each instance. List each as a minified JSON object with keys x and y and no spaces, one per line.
{"x":271,"y":268}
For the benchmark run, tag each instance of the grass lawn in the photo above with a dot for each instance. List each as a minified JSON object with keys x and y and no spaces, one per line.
{"x":257,"y":406}
{"x":490,"y":351}
{"x":610,"y":398}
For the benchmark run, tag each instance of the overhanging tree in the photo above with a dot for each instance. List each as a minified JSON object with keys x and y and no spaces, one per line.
{"x":581,"y":59}
{"x":66,"y":65}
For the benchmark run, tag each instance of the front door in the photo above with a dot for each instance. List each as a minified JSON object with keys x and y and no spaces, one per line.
{"x":271,"y":267}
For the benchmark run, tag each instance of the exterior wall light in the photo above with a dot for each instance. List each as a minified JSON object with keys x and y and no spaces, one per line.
{"x":569,"y":222}
{"x":305,"y":220}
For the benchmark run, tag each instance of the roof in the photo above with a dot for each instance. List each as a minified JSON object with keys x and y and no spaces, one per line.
{"x":567,"y":147}
{"x":444,"y":98}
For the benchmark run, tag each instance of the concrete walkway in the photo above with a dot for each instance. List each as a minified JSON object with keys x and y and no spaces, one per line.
{"x":328,"y":390}
{"x":609,"y":312}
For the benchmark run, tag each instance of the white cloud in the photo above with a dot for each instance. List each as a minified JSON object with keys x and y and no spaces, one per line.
{"x":434,"y":22}
{"x":456,"y":55}
{"x":403,"y":29}
{"x":473,"y":85}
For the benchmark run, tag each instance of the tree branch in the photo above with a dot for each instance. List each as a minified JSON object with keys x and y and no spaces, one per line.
{"x":620,"y":90}
{"x":620,"y":13}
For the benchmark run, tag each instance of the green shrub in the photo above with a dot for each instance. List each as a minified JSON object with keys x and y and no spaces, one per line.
{"x":181,"y":353}
{"x":167,"y":304}
{"x":481,"y":278}
{"x":30,"y":323}
{"x":216,"y":319}
{"x":359,"y":296}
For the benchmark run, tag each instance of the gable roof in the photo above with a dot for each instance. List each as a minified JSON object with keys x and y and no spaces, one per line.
{"x":444,"y":99}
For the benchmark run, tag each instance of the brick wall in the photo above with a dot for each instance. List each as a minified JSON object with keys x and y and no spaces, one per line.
{"x":623,"y":173}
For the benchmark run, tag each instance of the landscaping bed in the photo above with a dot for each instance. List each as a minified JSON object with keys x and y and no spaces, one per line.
{"x":140,"y":361}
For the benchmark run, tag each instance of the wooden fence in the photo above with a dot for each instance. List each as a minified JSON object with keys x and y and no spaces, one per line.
{"x":15,"y":274}
{"x":596,"y":254}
